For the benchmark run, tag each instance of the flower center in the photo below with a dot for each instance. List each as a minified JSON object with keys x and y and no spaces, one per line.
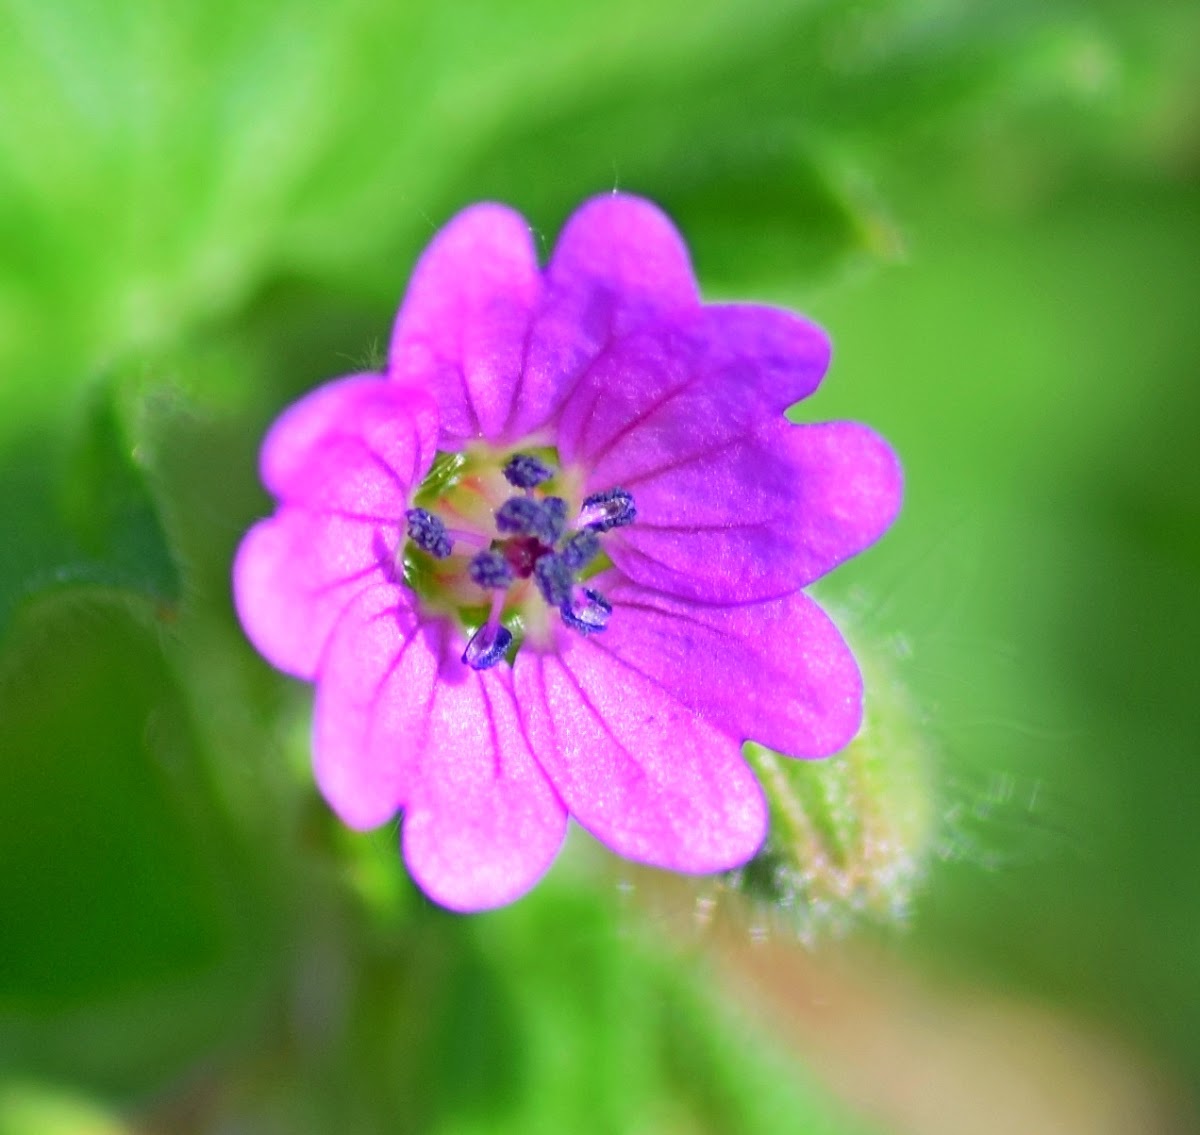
{"x":504,"y":542}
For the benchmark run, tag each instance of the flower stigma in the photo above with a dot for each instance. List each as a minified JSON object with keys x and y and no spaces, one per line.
{"x":504,"y":542}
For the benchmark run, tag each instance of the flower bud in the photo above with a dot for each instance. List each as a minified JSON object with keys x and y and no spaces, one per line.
{"x":848,"y":834}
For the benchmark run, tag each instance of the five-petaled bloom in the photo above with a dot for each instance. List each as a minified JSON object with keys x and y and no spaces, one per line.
{"x":550,"y":563}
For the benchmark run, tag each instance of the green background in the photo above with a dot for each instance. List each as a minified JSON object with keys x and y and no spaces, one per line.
{"x":206,"y":209}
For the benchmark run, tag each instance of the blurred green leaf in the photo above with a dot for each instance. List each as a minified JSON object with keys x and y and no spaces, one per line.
{"x":118,"y":890}
{"x":86,"y":518}
{"x":622,"y":1033}
{"x":1035,"y":370}
{"x":88,"y":840}
{"x":166,"y":161}
{"x":38,"y":1109}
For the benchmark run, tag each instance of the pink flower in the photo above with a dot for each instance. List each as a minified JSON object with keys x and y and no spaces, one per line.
{"x":550,"y":564}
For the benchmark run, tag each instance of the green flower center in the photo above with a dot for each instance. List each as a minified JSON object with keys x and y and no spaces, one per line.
{"x":504,"y":541}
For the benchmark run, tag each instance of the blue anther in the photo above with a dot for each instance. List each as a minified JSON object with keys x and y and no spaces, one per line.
{"x":428,"y":532}
{"x":554,"y":520}
{"x":612,"y":508}
{"x":581,"y":548}
{"x":487,"y":646}
{"x":554,"y":578}
{"x":524,"y":471}
{"x":489,"y":568}
{"x":586,"y":611}
{"x":523,"y":516}
{"x":519,"y":516}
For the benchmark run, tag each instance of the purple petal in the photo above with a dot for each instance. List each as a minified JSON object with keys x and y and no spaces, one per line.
{"x":777,"y":672}
{"x":687,"y":417}
{"x":401,"y":723}
{"x":623,"y":253}
{"x":294,"y":575}
{"x":359,"y":445}
{"x":374,"y":691}
{"x":482,"y":823}
{"x":619,"y":265}
{"x":718,"y":518}
{"x":779,"y":355}
{"x":736,"y":365}
{"x":643,"y":773}
{"x":462,"y":332}
{"x":850,"y":488}
{"x":708,"y":466}
{"x":733,"y":509}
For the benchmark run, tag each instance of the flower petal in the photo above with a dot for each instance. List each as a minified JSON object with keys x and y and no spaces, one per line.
{"x":482,"y":823}
{"x":644,"y":774}
{"x":374,"y":691}
{"x":359,"y":445}
{"x":462,"y":331}
{"x":777,"y":672}
{"x":401,"y":723}
{"x":732,"y":365}
{"x":707,"y":463}
{"x":623,"y":254}
{"x":294,"y":575}
{"x":733,"y":509}
{"x":619,"y":265}
{"x":779,"y":355}
{"x":850,"y":488}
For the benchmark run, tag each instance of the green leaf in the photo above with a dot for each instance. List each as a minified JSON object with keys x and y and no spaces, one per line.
{"x":564,"y":1012}
{"x":85,"y":517}
{"x":40,"y":1109}
{"x":224,"y":143}
{"x":120,"y":955}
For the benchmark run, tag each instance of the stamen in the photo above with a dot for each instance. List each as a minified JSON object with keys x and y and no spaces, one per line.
{"x":488,"y":645}
{"x":524,"y":471}
{"x":586,"y":611}
{"x":489,"y":568}
{"x":519,"y":516}
{"x":427,"y":532}
{"x":464,"y":536}
{"x":524,"y":516}
{"x":554,"y":578}
{"x":612,"y":508}
{"x":534,"y":538}
{"x":581,"y":549}
{"x":554,"y":512}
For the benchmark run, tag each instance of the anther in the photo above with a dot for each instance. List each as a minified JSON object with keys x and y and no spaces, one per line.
{"x":519,"y":516}
{"x":612,"y":508}
{"x":524,"y":471}
{"x":554,"y":519}
{"x":586,"y":611}
{"x":524,"y":516}
{"x":554,"y":578}
{"x":581,"y":548}
{"x":487,"y":646}
{"x":489,"y":568}
{"x":427,"y":532}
